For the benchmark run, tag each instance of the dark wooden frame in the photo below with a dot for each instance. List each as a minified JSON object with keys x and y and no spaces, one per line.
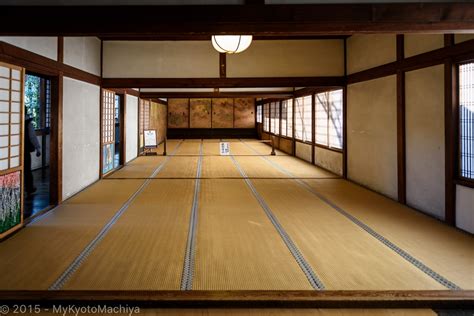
{"x":442,"y":299}
{"x":276,"y":20}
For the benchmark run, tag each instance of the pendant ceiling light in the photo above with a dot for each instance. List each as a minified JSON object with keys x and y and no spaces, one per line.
{"x":231,"y":44}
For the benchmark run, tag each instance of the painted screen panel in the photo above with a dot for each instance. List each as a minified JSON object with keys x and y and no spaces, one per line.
{"x":222,"y":113}
{"x":244,"y":116}
{"x":108,"y":157}
{"x":178,"y":113}
{"x":10,"y":204}
{"x":200,"y":113}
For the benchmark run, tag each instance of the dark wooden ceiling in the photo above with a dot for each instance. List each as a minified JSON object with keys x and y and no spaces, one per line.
{"x":265,"y":21}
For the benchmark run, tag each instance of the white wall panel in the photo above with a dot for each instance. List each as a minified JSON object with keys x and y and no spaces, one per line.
{"x":303,"y":151}
{"x":328,"y":159}
{"x":366,"y":51}
{"x":131,"y":124}
{"x":44,"y":46}
{"x":83,"y":53}
{"x":372,"y":134}
{"x":160,"y":59}
{"x":465,"y":208}
{"x":425,"y":154}
{"x":81,"y":111}
{"x":421,"y":43}
{"x":293,"y":58}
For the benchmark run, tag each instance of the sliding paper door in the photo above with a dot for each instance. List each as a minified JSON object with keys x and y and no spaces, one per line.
{"x":11,"y":148}
{"x":108,"y":130}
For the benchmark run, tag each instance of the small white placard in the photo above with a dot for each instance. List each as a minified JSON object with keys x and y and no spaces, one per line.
{"x":150,"y":138}
{"x":224,"y":149}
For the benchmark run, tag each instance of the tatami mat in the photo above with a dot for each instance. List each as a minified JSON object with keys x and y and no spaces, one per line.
{"x":237,"y":246}
{"x":300,"y":168}
{"x":38,"y":254}
{"x":141,"y":167}
{"x":179,"y":167}
{"x":344,"y":256}
{"x":445,"y":249}
{"x":145,"y":248}
{"x":256,"y":167}
{"x":218,"y":167}
{"x":189,"y":147}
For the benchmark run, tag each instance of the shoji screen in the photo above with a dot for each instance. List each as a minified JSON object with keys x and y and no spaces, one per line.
{"x":275,"y":117}
{"x":303,"y":126}
{"x":108,"y":130}
{"x":287,"y":118}
{"x":11,"y":148}
{"x":143,"y":122}
{"x":266,"y":117}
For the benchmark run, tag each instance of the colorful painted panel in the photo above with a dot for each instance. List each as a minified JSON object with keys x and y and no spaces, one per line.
{"x":222,"y":113}
{"x":200,"y":116}
{"x":108,"y":158}
{"x":178,"y":113}
{"x":10,"y":204}
{"x":244,"y":116}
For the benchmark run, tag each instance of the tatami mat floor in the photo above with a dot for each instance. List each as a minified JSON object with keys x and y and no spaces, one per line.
{"x":198,"y":220}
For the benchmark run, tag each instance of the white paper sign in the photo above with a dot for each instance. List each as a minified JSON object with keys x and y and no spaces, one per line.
{"x":224,"y":149}
{"x":150,"y":138}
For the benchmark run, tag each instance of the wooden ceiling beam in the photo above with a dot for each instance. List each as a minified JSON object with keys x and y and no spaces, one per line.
{"x":262,"y":20}
{"x":222,"y":82}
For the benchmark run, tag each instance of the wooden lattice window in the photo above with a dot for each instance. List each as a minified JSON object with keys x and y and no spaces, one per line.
{"x":108,"y":120}
{"x":11,"y":110}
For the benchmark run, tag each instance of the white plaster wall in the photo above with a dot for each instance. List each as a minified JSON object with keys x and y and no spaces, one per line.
{"x":303,"y":151}
{"x":372,"y":134}
{"x":465,"y":208}
{"x":366,"y":51}
{"x":83,"y":53}
{"x":131,"y":125}
{"x":44,"y":46}
{"x":424,"y":121}
{"x":81,"y":108}
{"x":328,"y":159}
{"x":160,"y":59}
{"x":458,"y":38}
{"x":421,"y":43}
{"x":293,"y":58}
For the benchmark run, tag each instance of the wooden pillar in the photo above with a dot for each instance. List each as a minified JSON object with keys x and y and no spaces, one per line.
{"x":313,"y":126}
{"x":451,"y":117}
{"x":401,"y":138}
{"x":56,"y":142}
{"x":344,"y":116}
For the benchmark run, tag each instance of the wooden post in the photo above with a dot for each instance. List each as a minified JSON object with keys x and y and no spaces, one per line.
{"x":164,"y":147}
{"x":273,"y":145}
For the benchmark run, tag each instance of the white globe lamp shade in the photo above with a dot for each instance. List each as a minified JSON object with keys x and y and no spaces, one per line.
{"x":231,"y":44}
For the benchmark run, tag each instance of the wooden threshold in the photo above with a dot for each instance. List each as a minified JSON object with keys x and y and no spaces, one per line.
{"x":239,"y":299}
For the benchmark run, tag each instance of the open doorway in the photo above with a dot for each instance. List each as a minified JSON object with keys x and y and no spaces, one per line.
{"x":37,"y":100}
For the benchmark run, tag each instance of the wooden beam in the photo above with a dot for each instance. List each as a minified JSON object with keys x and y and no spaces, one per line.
{"x":40,"y":64}
{"x":300,"y":19}
{"x":235,"y":299}
{"x":401,"y":144}
{"x":262,"y":94}
{"x":128,"y":91}
{"x":60,"y":49}
{"x":436,"y":57}
{"x":181,"y":37}
{"x":222,"y":82}
{"x":223,"y":65}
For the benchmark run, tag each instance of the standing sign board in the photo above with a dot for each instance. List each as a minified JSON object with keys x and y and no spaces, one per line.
{"x":150,"y":138}
{"x":150,"y":141}
{"x":224,"y":148}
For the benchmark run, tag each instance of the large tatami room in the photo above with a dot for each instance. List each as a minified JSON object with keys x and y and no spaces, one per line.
{"x":234,"y":157}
